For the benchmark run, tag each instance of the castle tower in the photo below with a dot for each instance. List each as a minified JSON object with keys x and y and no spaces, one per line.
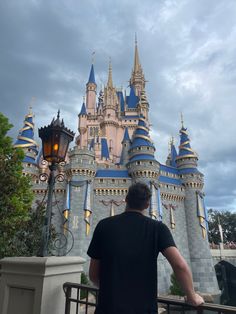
{"x":196,"y":217}
{"x":137,"y":77}
{"x":80,"y":172}
{"x":110,"y":123}
{"x":172,"y":154}
{"x":25,"y":140}
{"x":91,"y":89}
{"x":82,"y":141}
{"x":142,"y":165}
{"x":125,"y":148}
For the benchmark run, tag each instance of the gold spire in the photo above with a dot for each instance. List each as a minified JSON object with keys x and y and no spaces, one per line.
{"x":136,"y":56}
{"x":109,"y":82}
{"x":182,"y":119}
{"x":31,"y":106}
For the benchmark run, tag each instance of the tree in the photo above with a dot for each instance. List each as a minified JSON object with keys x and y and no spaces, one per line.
{"x":15,"y":192}
{"x":175,"y":287}
{"x":227,"y":220}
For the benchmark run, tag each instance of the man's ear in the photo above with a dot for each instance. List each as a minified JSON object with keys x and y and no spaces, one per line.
{"x":147,"y":204}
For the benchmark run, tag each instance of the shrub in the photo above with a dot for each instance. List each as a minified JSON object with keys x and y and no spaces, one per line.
{"x":175,"y":287}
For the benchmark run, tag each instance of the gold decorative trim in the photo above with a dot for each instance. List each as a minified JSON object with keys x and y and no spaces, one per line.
{"x":144,"y":137}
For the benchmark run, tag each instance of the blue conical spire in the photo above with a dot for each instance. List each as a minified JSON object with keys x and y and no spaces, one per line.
{"x":25,"y":138}
{"x":185,"y":150}
{"x":92,"y":76}
{"x":126,"y":137}
{"x":141,"y":138}
{"x":83,"y":110}
{"x":132,"y":99}
{"x":173,"y":153}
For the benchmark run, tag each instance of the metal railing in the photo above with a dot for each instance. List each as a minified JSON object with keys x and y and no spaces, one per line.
{"x":82,"y":299}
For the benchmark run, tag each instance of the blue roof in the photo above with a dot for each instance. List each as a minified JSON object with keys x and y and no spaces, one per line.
{"x":92,"y":76}
{"x":141,"y":122}
{"x":30,"y":160}
{"x":104,"y":149}
{"x":169,"y":169}
{"x":141,"y":135}
{"x":185,"y":148}
{"x":142,"y":157}
{"x":121,"y":100}
{"x":141,"y":142}
{"x":126,"y":137}
{"x":91,"y":144}
{"x":130,"y":117}
{"x":141,"y":132}
{"x":188,"y":170}
{"x":111,"y":173}
{"x":173,"y":154}
{"x":83,"y":110}
{"x":164,"y":179}
{"x":25,"y":138}
{"x":132,"y":100}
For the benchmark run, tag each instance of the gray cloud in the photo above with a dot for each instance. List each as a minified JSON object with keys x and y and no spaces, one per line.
{"x":187,"y":50}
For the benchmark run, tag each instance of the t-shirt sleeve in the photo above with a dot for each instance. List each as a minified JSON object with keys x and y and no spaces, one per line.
{"x":165,"y":238}
{"x":95,"y":247}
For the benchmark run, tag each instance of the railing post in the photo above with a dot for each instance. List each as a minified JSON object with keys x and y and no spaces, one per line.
{"x":68,"y":296}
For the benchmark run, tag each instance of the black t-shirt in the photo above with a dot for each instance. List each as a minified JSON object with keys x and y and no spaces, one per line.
{"x":127,"y":246}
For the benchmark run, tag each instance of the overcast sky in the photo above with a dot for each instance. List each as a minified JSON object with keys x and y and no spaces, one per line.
{"x":187,"y":49}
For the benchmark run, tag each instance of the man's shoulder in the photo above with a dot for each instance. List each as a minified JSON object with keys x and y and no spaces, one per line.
{"x":109,"y":220}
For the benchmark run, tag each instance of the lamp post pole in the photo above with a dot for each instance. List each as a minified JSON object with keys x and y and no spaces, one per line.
{"x":55,"y":139}
{"x":48,"y":216}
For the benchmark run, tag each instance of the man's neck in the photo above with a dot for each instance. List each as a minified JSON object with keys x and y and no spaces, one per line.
{"x":134,"y":210}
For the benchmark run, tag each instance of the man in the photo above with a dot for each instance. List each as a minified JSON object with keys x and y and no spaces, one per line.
{"x":124,"y":251}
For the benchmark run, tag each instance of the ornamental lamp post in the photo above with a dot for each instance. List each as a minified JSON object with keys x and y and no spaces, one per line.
{"x":55,"y":142}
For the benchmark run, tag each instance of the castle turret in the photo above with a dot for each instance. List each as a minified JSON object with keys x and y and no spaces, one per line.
{"x":125,"y":148}
{"x":91,"y":89}
{"x":110,"y":123}
{"x":81,"y":171}
{"x":186,"y":158}
{"x":196,"y":217}
{"x":171,"y":158}
{"x":137,"y":77}
{"x":25,"y":140}
{"x":82,"y":128}
{"x":100,"y":104}
{"x":143,"y":105}
{"x":142,"y":164}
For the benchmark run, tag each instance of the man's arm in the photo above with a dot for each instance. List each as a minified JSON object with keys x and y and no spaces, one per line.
{"x":183,"y":274}
{"x":94,"y":271}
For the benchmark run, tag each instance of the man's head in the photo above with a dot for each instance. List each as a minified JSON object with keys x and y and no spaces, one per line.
{"x":138,"y":197}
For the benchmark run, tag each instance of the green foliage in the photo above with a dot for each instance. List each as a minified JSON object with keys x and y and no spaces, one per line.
{"x":175,"y":287}
{"x":28,"y":238}
{"x":15,"y":191}
{"x":84,"y":281}
{"x":228,"y":223}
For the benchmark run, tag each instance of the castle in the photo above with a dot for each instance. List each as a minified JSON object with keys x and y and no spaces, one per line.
{"x":113,"y":150}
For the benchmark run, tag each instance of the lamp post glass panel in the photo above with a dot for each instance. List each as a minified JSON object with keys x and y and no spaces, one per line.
{"x":55,"y":140}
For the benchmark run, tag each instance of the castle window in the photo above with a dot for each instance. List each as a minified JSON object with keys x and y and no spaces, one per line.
{"x":124,"y":180}
{"x":100,"y":180}
{"x":151,"y":163}
{"x":113,"y":180}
